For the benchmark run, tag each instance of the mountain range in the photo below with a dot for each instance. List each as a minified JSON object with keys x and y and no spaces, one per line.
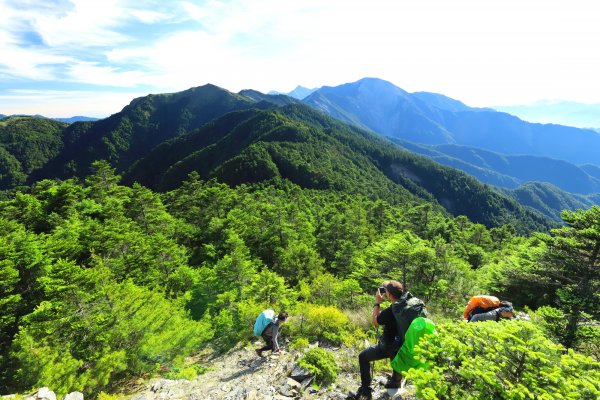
{"x":431,"y":118}
{"x":250,"y":136}
{"x":68,"y":120}
{"x":299,"y":93}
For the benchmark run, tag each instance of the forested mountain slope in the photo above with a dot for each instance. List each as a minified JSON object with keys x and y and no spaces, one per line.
{"x":26,"y":144}
{"x":131,"y":133}
{"x":550,"y":200}
{"x":314,"y":151}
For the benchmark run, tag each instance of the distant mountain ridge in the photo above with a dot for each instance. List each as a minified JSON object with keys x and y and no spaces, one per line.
{"x":435,"y":119}
{"x":299,"y":93}
{"x":68,"y":120}
{"x":510,"y":171}
{"x":26,"y":144}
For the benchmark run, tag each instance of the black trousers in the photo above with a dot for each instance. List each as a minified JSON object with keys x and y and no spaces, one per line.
{"x":269,"y":341}
{"x":374,"y":353}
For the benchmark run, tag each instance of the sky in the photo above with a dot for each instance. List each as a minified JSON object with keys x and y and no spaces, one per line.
{"x":61,"y":58}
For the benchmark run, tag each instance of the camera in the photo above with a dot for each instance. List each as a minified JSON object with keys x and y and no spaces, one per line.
{"x":382,"y":290}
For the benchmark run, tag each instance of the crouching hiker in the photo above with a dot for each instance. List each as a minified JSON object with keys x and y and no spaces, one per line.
{"x":487,"y":308}
{"x":267,"y":327}
{"x":388,"y":344}
{"x":505,"y":311}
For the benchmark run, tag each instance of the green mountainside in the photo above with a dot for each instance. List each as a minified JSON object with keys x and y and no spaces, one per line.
{"x":314,"y":151}
{"x":109,"y":288}
{"x":128,"y":136}
{"x":26,"y":144}
{"x":147,"y":121}
{"x":549,"y":199}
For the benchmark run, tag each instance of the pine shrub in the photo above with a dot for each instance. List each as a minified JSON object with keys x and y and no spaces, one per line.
{"x":321,"y":364}
{"x":505,"y":360}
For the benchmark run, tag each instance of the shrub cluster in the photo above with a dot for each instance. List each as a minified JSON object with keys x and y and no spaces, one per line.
{"x":321,"y":364}
{"x":506,"y":360}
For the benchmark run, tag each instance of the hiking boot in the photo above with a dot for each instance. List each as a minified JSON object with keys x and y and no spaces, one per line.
{"x":259,"y":352}
{"x":363,"y":393}
{"x":393,"y":384}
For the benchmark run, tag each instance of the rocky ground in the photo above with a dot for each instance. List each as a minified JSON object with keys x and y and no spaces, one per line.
{"x":241,"y":375}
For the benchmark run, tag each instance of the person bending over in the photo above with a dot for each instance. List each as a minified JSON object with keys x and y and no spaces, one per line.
{"x":271,"y":334}
{"x":504,"y":311}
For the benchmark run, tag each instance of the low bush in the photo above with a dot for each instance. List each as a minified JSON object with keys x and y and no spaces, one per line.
{"x":321,"y":364}
{"x":505,"y":360}
{"x":321,"y":323}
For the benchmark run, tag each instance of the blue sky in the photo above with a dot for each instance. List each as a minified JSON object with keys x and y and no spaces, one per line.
{"x":92,"y":57}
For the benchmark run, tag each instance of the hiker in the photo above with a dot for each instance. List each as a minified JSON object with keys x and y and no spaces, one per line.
{"x":490,"y":307}
{"x":505,"y":310}
{"x":271,"y":334}
{"x":388,"y":344}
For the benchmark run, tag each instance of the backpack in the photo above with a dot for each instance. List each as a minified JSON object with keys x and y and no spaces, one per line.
{"x":405,"y":311}
{"x":262,"y":321}
{"x":480,"y":304}
{"x":405,"y":358}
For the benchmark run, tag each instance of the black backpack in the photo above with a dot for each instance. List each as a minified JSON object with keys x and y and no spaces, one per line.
{"x":405,"y":311}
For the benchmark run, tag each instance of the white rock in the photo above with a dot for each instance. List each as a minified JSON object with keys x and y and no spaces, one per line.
{"x":74,"y":396}
{"x":46,"y":394}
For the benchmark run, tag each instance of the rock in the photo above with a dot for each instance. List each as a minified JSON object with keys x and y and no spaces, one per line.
{"x":43,"y":394}
{"x":158,"y":385}
{"x":290,"y":388}
{"x":293,"y":383}
{"x":74,"y":396}
{"x":307,"y":382}
{"x":252,"y":395}
{"x":280,"y":397}
{"x":299,"y":374}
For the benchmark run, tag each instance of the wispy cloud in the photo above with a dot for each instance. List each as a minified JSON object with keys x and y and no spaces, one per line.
{"x":481,"y":52}
{"x":56,"y":103}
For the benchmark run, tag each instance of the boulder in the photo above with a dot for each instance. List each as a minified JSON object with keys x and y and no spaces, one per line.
{"x":42,"y":394}
{"x":300,"y":374}
{"x":306,"y":382}
{"x":74,"y":396}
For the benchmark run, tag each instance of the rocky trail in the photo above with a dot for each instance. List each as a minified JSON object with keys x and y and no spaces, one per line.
{"x":241,"y":375}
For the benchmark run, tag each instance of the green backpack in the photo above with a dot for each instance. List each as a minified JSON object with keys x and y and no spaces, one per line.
{"x":405,"y":358}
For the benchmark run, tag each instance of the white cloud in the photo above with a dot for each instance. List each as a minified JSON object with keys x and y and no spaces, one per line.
{"x":92,"y":73}
{"x":63,"y":104}
{"x":480,"y":52}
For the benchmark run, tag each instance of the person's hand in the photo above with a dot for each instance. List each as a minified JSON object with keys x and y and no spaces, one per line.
{"x":378,"y":297}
